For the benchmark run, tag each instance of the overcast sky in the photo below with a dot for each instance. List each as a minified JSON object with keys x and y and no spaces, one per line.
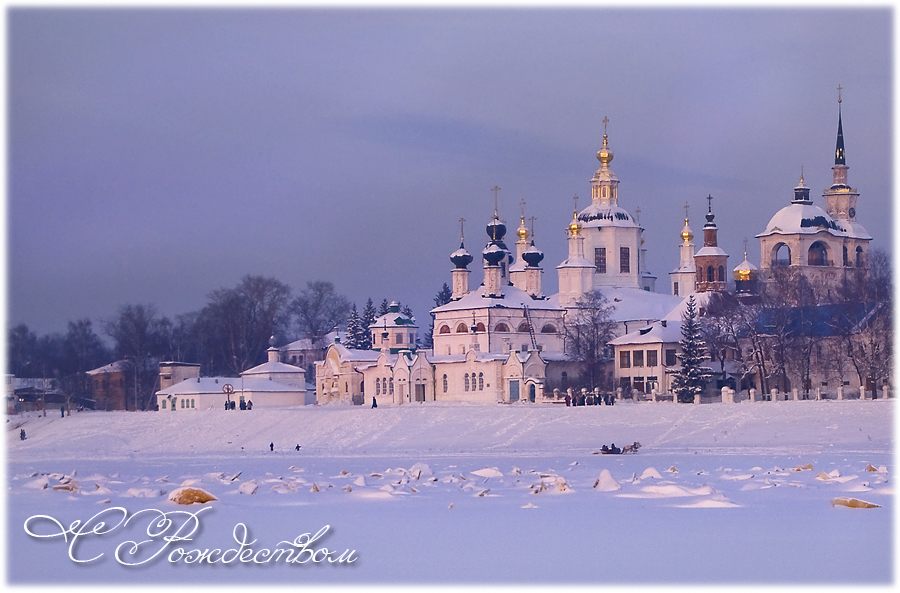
{"x":157,"y":155}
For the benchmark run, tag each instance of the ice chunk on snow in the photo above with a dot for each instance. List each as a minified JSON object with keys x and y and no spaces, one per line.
{"x":489,"y":472}
{"x":39,"y":484}
{"x":715,"y":502}
{"x":419,"y":470}
{"x":853,"y":503}
{"x":606,"y":483}
{"x":248,"y":487}
{"x":190,"y":495}
{"x":145,"y":493}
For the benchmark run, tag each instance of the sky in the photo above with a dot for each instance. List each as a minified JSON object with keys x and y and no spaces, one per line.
{"x":156,"y":155}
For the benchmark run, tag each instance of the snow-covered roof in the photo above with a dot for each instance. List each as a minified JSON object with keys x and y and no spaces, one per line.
{"x":655,"y":333}
{"x":605,"y":215}
{"x":633,"y":303}
{"x":394,"y":319}
{"x":513,"y":298}
{"x":215,"y":384}
{"x":801,"y":218}
{"x":707,"y":250}
{"x":701,"y":299}
{"x":354,"y":355}
{"x":575,"y":262}
{"x":273,"y":367}
{"x":120,"y":366}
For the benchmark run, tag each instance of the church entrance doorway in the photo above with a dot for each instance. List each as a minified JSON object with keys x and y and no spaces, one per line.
{"x":514,"y":390}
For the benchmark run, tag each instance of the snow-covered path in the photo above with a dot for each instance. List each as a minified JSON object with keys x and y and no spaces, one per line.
{"x":456,"y":493}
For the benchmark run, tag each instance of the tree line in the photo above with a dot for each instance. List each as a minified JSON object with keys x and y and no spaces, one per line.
{"x":228,"y":335}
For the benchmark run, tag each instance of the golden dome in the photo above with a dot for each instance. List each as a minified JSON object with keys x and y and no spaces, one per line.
{"x":575,"y":226}
{"x":605,"y":155}
{"x":522,"y":231}
{"x":686,"y":233}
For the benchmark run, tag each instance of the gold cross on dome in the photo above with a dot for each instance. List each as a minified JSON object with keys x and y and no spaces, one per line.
{"x":686,"y":206}
{"x":496,"y":190}
{"x":522,"y":207}
{"x":605,"y":121}
{"x":462,"y":233}
{"x":575,"y":201}
{"x":839,"y":93}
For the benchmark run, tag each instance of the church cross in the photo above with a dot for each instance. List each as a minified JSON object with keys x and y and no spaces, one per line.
{"x":839,"y":93}
{"x":605,"y":121}
{"x":522,"y":207}
{"x":462,"y":233}
{"x":745,"y":247}
{"x":709,"y":199}
{"x":575,"y":201}
{"x":637,"y":212}
{"x":533,"y":218}
{"x":496,"y":190}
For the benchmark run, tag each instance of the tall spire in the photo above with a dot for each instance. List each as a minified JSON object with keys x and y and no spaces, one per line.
{"x":839,"y":147}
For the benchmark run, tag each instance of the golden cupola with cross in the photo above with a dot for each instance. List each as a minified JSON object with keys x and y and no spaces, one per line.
{"x":610,"y":235}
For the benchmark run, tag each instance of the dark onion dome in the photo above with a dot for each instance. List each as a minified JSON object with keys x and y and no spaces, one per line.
{"x":496,"y":230}
{"x":493,"y":254}
{"x":533,"y":256}
{"x":461,"y":258}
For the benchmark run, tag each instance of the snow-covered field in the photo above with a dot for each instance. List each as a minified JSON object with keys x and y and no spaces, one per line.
{"x":457,"y":493}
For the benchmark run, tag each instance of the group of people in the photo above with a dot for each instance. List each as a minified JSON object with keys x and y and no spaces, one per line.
{"x":589,"y":399}
{"x":245,"y":405}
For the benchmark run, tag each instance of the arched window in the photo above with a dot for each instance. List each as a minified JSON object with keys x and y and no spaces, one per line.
{"x":721,"y":273}
{"x":391,"y":383}
{"x":480,"y":381}
{"x":163,"y":404}
{"x":782,"y":255}
{"x":523,"y":327}
{"x":699,"y":275}
{"x":548,"y":329}
{"x":710,"y":274}
{"x":461,"y":328}
{"x":466,"y":383}
{"x":445,"y":384}
{"x":479,"y":327}
{"x":860,"y":262}
{"x":501,"y":327}
{"x":182,"y":404}
{"x":846,"y":257}
{"x":377,"y":386}
{"x":192,"y":402}
{"x":817,"y":255}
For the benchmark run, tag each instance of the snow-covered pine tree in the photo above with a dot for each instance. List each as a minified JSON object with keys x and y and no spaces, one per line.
{"x":354,"y":329}
{"x":368,"y":318}
{"x":442,"y":298}
{"x":691,"y":379}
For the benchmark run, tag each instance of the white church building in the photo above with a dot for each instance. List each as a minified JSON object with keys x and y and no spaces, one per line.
{"x":504,"y":340}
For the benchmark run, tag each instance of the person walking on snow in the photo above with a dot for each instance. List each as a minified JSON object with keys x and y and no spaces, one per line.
{"x":271,"y":446}
{"x":374,"y":403}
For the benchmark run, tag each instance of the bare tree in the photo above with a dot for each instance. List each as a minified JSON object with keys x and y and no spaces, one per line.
{"x":237,"y":322}
{"x":319,"y":310}
{"x":138,"y":336}
{"x":588,"y":329}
